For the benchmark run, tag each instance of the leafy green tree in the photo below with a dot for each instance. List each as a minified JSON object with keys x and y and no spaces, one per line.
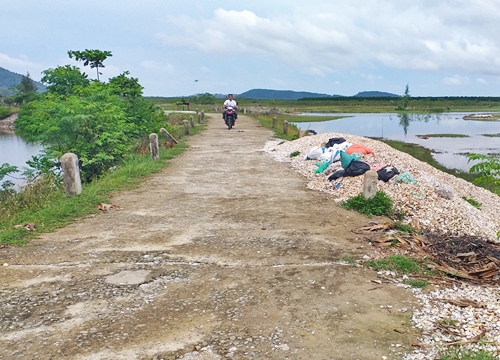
{"x":94,"y":127}
{"x":488,"y":171}
{"x":205,"y":98}
{"x":7,"y":187}
{"x":63,"y":79}
{"x":94,"y":58}
{"x":126,"y":87}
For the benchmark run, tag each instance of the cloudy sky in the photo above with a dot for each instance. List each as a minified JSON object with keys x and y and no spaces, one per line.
{"x":438,"y":47}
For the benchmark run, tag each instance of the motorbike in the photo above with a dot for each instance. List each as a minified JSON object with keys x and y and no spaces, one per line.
{"x":230,"y":117}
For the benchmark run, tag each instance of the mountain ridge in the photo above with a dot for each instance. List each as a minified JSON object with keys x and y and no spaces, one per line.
{"x":296,"y":95}
{"x":9,"y":79}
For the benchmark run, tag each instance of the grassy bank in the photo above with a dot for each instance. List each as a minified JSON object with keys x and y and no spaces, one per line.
{"x":45,"y":207}
{"x":425,"y":155}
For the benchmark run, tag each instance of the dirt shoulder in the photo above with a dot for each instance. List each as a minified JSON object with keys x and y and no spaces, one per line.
{"x":225,"y":254}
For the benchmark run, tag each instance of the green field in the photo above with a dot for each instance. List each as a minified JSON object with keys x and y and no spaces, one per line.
{"x":347,"y":104}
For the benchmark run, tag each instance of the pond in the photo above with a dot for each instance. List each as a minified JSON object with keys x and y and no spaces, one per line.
{"x":448,"y":151}
{"x":15,"y":151}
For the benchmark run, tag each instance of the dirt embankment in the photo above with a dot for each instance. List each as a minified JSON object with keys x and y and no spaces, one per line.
{"x":7,"y":124}
{"x":225,"y":254}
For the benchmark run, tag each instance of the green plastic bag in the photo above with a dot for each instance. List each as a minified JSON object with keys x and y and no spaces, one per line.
{"x":345,"y":159}
{"x":322,"y":167}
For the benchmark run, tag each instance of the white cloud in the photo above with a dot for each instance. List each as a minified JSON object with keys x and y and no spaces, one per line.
{"x":456,"y":80}
{"x":20,"y":65}
{"x":413,"y":35}
{"x":158,"y":66}
{"x":481,"y":81}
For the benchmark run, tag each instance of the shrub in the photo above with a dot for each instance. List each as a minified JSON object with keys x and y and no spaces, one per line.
{"x":380,"y":204}
{"x":4,"y":112}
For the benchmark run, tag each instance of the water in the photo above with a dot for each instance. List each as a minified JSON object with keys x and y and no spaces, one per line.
{"x":450,"y":152}
{"x":15,"y":151}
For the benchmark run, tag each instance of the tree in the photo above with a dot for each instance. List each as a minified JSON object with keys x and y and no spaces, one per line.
{"x":127,"y":87}
{"x":405,"y":99}
{"x":63,"y":79}
{"x":93,"y":57}
{"x":26,"y":85}
{"x":25,"y":91}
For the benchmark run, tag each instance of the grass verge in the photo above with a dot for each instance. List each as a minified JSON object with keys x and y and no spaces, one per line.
{"x":55,"y":210}
{"x":466,"y":354}
{"x":61,"y":210}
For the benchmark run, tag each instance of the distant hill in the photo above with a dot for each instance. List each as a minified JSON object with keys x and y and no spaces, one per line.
{"x":375,"y":94}
{"x":9,"y":79}
{"x":296,"y":95}
{"x":280,"y":94}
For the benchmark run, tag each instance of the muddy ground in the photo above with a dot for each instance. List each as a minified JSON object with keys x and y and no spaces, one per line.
{"x":224,"y":254}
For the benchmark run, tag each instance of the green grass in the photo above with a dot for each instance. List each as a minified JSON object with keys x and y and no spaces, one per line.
{"x":443,"y":136}
{"x":349,"y":259}
{"x":466,"y":354}
{"x":416,"y":283}
{"x":60,"y":210}
{"x":267,"y":121}
{"x":404,"y":228}
{"x":379,"y":205}
{"x":399,"y":263}
{"x":473,"y":202}
{"x":491,"y":135}
{"x":353,"y":104}
{"x":308,"y":118}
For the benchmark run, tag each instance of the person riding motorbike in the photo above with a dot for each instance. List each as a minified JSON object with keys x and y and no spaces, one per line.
{"x":232,"y":103}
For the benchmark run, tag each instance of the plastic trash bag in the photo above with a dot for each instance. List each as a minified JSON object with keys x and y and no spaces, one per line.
{"x":406,"y":177}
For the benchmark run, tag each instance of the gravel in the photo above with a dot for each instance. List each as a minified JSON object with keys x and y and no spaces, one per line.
{"x":434,"y":204}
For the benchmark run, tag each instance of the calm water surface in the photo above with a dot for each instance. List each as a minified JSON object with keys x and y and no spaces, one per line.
{"x":450,"y":152}
{"x":15,"y":151}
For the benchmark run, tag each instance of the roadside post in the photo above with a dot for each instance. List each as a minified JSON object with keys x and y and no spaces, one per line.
{"x":71,"y":174}
{"x":370,"y":182}
{"x":153,"y":146}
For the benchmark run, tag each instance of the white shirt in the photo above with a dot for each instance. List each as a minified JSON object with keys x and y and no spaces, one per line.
{"x":230,"y":103}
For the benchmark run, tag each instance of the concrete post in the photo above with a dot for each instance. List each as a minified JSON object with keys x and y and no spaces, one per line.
{"x":154,"y":147}
{"x":370,"y":183}
{"x":191,"y":121}
{"x":186,"y":127}
{"x":197,"y":110}
{"x":71,"y":174}
{"x":199,"y":118}
{"x":285,"y":127}
{"x":275,"y":122}
{"x":245,"y":111}
{"x":168,"y":136}
{"x":202,"y":115}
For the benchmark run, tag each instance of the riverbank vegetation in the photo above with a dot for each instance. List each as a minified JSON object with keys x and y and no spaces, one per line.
{"x":106,"y":125}
{"x":343,"y":104}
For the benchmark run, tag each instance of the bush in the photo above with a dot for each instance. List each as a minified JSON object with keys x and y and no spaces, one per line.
{"x":4,"y":112}
{"x":379,"y":205}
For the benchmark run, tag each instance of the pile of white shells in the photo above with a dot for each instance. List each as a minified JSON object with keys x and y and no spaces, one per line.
{"x":442,"y":323}
{"x":435,"y":203}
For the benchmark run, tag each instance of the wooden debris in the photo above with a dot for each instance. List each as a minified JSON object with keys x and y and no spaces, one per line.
{"x":27,"y":227}
{"x":465,"y":303}
{"x":107,"y":207}
{"x":372,"y":228}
